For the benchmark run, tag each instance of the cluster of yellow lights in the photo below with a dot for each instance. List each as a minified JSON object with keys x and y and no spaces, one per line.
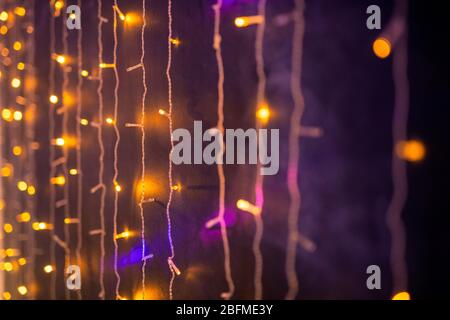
{"x":59,"y":180}
{"x":411,"y":150}
{"x":244,"y":205}
{"x":381,"y":47}
{"x":37,"y":226}
{"x":10,"y":115}
{"x":242,"y":22}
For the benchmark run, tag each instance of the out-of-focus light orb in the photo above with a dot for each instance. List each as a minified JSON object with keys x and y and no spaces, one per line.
{"x":242,"y":204}
{"x":8,"y":228}
{"x":84,"y":122}
{"x":3,"y":30}
{"x":239,"y":22}
{"x":20,"y":66}
{"x":22,"y":185}
{"x":20,"y":11}
{"x":22,"y":290}
{"x":84,"y":73}
{"x":17,"y":45}
{"x":109,"y":120}
{"x":7,"y":114}
{"x":411,"y":150}
{"x":31,"y":190}
{"x":59,"y":4}
{"x":117,"y":187}
{"x":60,"y":59}
{"x":48,"y":268}
{"x":401,"y":296}
{"x":4,"y":16}
{"x":23,"y":217}
{"x":16,"y":83}
{"x":60,"y":180}
{"x":53,"y":99}
{"x":22,"y":261}
{"x":17,"y":115}
{"x":381,"y":47}
{"x":6,"y":170}
{"x":6,"y":295}
{"x":59,"y":142}
{"x":73,"y":172}
{"x":17,"y":151}
{"x":8,"y":267}
{"x":263,"y":113}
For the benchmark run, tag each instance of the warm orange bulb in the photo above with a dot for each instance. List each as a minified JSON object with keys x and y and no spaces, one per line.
{"x":382,"y":48}
{"x":401,"y":296}
{"x":53,"y":99}
{"x":48,"y":268}
{"x":8,"y":228}
{"x":411,"y":150}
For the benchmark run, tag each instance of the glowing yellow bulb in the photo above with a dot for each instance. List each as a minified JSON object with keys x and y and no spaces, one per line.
{"x":244,"y":205}
{"x":60,"y":59}
{"x":106,"y":65}
{"x":16,"y":83}
{"x":22,"y":185}
{"x":41,"y":226}
{"x":176,"y":42}
{"x":123,"y":235}
{"x":60,"y":180}
{"x":109,"y":121}
{"x":10,"y":252}
{"x":382,"y":48}
{"x":73,"y":172}
{"x":3,"y":30}
{"x":22,"y":290}
{"x":6,"y":295}
{"x":6,"y":170}
{"x":53,"y":99}
{"x":23,"y":217}
{"x":4,"y":16}
{"x":263,"y":113}
{"x":48,"y":268}
{"x":412,"y":150}
{"x":22,"y":261}
{"x":118,"y":188}
{"x":7,"y":266}
{"x":59,"y":142}
{"x":59,"y":4}
{"x":84,"y":122}
{"x":7,"y":114}
{"x":20,"y":66}
{"x":8,"y":228}
{"x":17,"y":115}
{"x":162,"y":112}
{"x":17,"y":45}
{"x":242,"y":22}
{"x":31,"y":190}
{"x":84,"y":73}
{"x":17,"y":151}
{"x":20,"y":11}
{"x":176,"y":187}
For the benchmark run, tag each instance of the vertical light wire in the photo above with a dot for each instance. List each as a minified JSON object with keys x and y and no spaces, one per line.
{"x":169,"y":116}
{"x":259,"y":180}
{"x":399,"y":174}
{"x":144,"y":94}
{"x":79,"y":141}
{"x":65,"y":86}
{"x":52,"y":155}
{"x":294,"y":149}
{"x":116,"y":149}
{"x":220,"y":126}
{"x":101,"y":156}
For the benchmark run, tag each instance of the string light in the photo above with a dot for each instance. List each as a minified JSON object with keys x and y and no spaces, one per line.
{"x":59,"y":180}
{"x":411,"y":150}
{"x":84,"y":122}
{"x":17,"y":45}
{"x":20,"y":11}
{"x":22,"y":185}
{"x":53,"y":99}
{"x":48,"y":268}
{"x":169,"y":116}
{"x":401,"y":296}
{"x":381,"y":47}
{"x":263,"y":113}
{"x":39,"y":226}
{"x":7,"y":295}
{"x":399,"y":175}
{"x":8,"y":228}
{"x":4,"y":16}
{"x":123,"y":235}
{"x":17,"y":150}
{"x":22,"y":290}
{"x":244,"y":205}
{"x":20,"y":66}
{"x":16,"y":83}
{"x":23,"y":217}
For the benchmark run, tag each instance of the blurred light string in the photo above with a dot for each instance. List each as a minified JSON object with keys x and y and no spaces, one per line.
{"x":64,"y":107}
{"x":173,"y":269}
{"x":220,"y":126}
{"x":259,"y":180}
{"x":52,"y":164}
{"x":142,"y":127}
{"x":78,"y":146}
{"x":101,"y":185}
{"x":116,"y":149}
{"x":397,"y":33}
{"x":294,"y":149}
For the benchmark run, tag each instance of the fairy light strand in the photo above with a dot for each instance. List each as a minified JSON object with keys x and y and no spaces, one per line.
{"x":259,"y":183}
{"x":78,"y":148}
{"x":116,"y":149}
{"x":220,"y":126}
{"x":52,"y":197}
{"x":294,"y":149}
{"x":142,"y":198}
{"x":101,"y":185}
{"x":399,"y":174}
{"x":169,"y":117}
